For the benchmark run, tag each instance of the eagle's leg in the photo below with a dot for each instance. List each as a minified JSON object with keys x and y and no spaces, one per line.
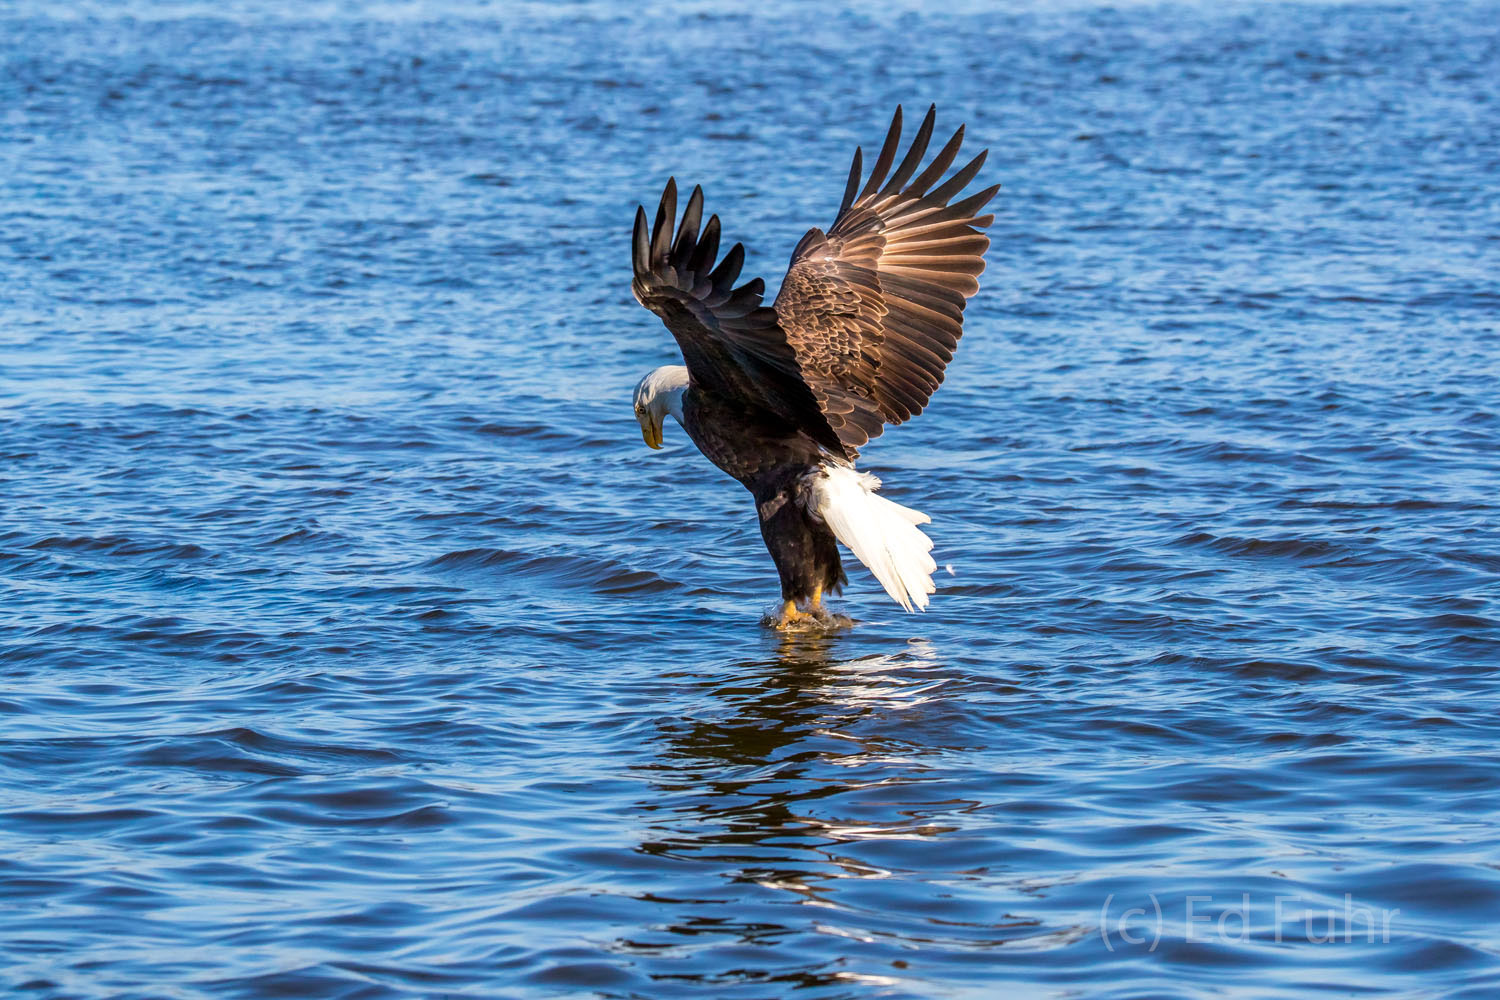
{"x":790,"y":615}
{"x":805,"y":552}
{"x":812,"y":610}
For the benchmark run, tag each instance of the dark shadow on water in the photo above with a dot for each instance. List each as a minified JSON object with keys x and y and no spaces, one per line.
{"x":765,"y":798}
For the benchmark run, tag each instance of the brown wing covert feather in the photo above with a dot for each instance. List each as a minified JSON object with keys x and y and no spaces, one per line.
{"x":873,"y":309}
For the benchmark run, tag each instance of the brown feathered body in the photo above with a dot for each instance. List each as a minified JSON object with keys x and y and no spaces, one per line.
{"x":866,"y":321}
{"x":772,"y":460}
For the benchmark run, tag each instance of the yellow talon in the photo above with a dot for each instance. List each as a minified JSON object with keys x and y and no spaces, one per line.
{"x":812,"y":616}
{"x":791,"y":619}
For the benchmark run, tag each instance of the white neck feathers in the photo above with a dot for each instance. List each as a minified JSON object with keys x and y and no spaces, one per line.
{"x":661,"y":391}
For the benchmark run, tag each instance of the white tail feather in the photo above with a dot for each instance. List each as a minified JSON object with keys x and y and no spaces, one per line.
{"x":882,"y":534}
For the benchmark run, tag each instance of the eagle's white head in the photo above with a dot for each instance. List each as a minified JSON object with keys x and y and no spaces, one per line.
{"x":657,"y":395}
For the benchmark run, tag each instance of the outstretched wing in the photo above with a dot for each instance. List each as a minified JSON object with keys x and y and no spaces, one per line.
{"x":732,"y":345}
{"x":873,"y":308}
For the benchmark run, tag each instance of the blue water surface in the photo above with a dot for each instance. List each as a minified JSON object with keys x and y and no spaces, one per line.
{"x":354,"y":645}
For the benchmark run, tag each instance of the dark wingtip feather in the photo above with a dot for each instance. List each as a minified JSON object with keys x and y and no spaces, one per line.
{"x":742,"y":301}
{"x":939,"y":163}
{"x":666,"y":212}
{"x":852,"y":187}
{"x":965,"y":209}
{"x":729,"y":268}
{"x":708,"y":246}
{"x":640,"y":251}
{"x":887,"y":155}
{"x":959,"y":180}
{"x":914,"y":154}
{"x":687,"y":232}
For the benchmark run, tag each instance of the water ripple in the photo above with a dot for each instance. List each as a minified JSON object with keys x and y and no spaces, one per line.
{"x":354,"y":646}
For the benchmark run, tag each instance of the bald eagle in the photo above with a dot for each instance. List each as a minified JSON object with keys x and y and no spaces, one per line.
{"x":782,"y":397}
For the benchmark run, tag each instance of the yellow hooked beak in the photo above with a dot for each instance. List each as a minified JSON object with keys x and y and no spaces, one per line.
{"x":651,"y":431}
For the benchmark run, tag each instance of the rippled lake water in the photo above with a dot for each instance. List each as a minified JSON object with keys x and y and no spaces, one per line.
{"x":355,"y":646}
